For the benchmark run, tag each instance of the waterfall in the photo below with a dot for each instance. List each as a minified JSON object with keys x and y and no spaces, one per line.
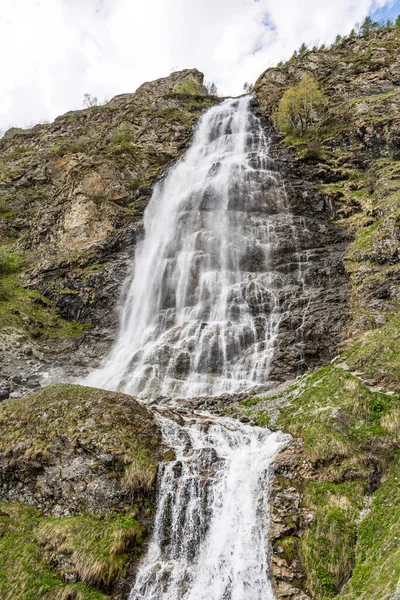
{"x":210,"y":539}
{"x":200,"y":317}
{"x":201,"y":312}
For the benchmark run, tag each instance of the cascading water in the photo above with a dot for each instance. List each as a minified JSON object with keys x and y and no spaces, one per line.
{"x":210,"y":539}
{"x":201,"y":316}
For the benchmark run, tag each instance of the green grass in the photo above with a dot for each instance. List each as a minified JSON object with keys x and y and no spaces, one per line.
{"x":350,"y":435}
{"x":98,"y":548}
{"x":377,"y":566}
{"x":32,"y":549}
{"x":377,"y":354}
{"x":29,"y":311}
{"x":118,"y":426}
{"x":10,"y":262}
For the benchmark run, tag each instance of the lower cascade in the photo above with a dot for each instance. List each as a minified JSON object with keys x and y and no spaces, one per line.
{"x":210,"y":539}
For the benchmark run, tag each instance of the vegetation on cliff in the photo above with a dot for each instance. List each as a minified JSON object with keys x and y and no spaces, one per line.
{"x":347,"y":414}
{"x":87,"y":459}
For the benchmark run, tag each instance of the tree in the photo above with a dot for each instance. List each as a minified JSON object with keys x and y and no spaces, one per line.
{"x":300,"y":108}
{"x":248,"y":88}
{"x":338,"y":40}
{"x":397,"y":22}
{"x":89,"y":100}
{"x":368,"y":26}
{"x":303,"y":49}
{"x":212,"y":88}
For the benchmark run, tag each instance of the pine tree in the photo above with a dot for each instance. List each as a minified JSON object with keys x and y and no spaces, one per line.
{"x":397,"y":22}
{"x":368,"y":26}
{"x":303,"y":49}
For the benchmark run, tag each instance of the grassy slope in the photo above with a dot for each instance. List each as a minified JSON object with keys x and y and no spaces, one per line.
{"x":351,"y":436}
{"x":94,"y":551}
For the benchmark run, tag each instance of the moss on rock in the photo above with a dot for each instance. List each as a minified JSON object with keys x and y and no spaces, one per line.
{"x":77,"y":449}
{"x":350,"y":433}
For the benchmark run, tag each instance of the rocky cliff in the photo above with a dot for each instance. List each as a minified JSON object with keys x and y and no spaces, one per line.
{"x":335,"y":498}
{"x":72,"y":195}
{"x":72,"y":198}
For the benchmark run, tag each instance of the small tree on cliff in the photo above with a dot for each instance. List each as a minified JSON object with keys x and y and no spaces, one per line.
{"x":368,"y":26}
{"x":300,"y":108}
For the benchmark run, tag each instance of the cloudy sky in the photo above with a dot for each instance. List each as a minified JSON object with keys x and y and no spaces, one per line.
{"x":54,"y":51}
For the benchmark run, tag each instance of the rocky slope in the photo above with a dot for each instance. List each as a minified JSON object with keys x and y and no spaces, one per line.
{"x":335,"y":498}
{"x":86,"y":460}
{"x":72,"y":195}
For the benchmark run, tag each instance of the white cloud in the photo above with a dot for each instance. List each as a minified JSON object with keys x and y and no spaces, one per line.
{"x":53,"y":51}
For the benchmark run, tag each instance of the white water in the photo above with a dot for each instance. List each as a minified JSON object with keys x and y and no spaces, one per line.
{"x":210,"y":540}
{"x":200,"y":315}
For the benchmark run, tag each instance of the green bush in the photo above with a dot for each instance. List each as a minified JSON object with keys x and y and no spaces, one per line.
{"x":301,"y":108}
{"x":10,"y":262}
{"x":189,"y":88}
{"x":71,"y":146}
{"x":120,"y":135}
{"x":3,"y":206}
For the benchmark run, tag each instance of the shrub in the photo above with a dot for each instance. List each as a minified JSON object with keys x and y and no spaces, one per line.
{"x":313,"y":151}
{"x":122,"y":134}
{"x":300,"y":108}
{"x":189,"y":88}
{"x":71,"y":146}
{"x":10,"y":262}
{"x":3,"y":206}
{"x":212,"y":88}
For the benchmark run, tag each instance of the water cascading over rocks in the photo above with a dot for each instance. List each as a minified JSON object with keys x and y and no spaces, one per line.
{"x":223,"y":281}
{"x":202,"y":310}
{"x":210,"y":537}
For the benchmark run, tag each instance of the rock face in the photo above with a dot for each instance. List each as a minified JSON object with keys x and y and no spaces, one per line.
{"x":70,"y":449}
{"x":88,"y":455}
{"x":72,"y":195}
{"x":308,"y":256}
{"x":356,"y":166}
{"x":322,"y":547}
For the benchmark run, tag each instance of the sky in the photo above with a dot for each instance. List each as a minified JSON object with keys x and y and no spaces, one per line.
{"x":52,"y":52}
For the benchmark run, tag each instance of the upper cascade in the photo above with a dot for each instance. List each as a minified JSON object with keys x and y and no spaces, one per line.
{"x":202,"y":308}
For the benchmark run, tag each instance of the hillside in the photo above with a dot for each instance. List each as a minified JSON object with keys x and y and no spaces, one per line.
{"x":72,"y":198}
{"x":346,"y":415}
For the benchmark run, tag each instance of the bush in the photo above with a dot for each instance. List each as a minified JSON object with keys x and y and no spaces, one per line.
{"x":189,"y":88}
{"x":3,"y":206}
{"x":71,"y":146}
{"x":301,"y":108}
{"x":10,"y":262}
{"x":313,"y":151}
{"x":121,"y":135}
